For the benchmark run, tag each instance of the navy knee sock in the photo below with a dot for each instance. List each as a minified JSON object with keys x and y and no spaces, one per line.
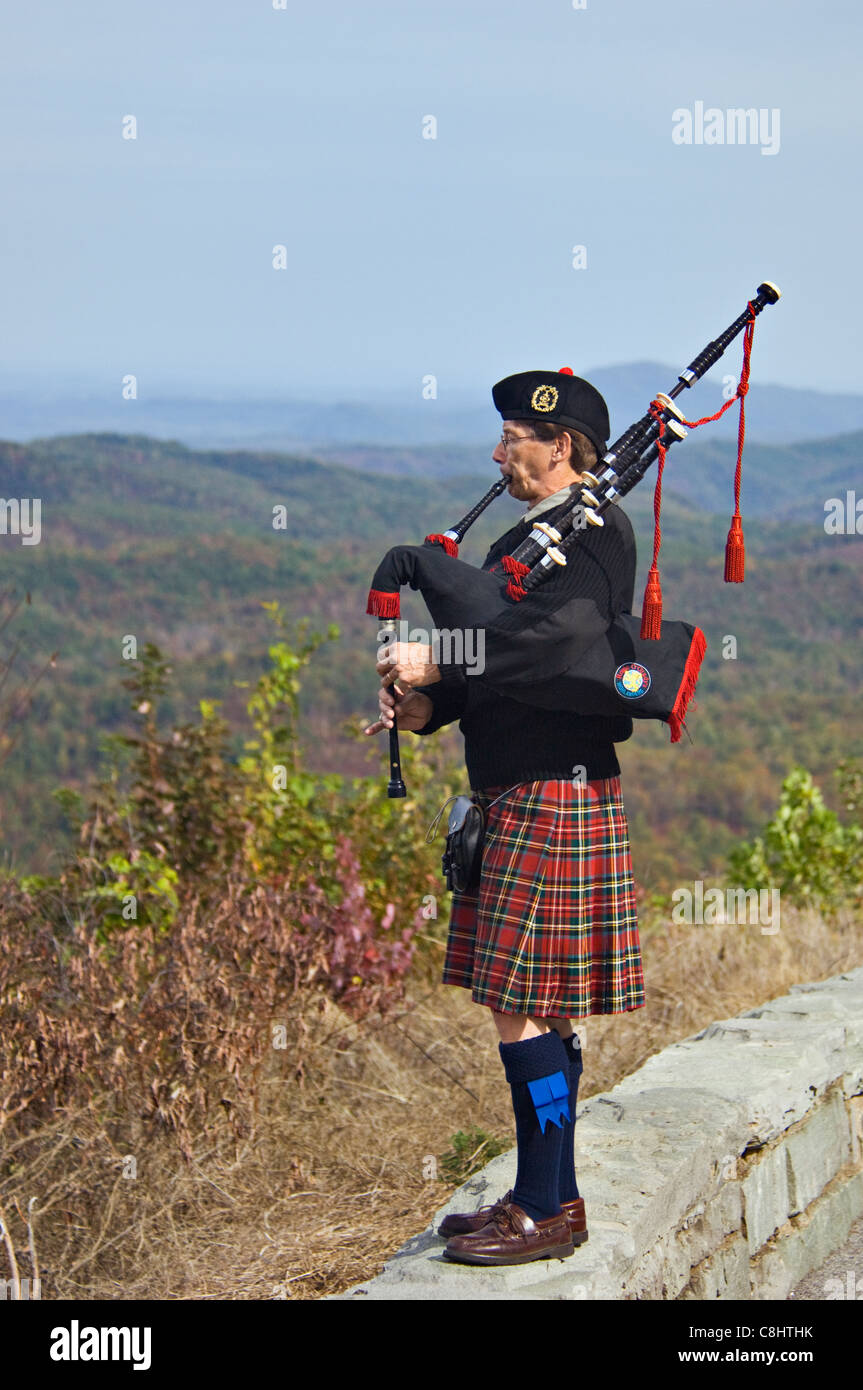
{"x":538,"y":1176}
{"x":568,"y":1186}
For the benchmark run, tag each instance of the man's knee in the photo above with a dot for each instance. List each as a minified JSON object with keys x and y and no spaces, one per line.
{"x":518,"y":1027}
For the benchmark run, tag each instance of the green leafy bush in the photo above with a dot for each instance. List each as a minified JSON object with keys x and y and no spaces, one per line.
{"x":805,"y":851}
{"x":297,"y":818}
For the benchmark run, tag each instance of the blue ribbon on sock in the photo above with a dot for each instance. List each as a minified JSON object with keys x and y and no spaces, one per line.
{"x":550,"y":1096}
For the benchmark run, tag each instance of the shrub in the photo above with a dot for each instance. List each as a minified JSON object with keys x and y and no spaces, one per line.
{"x":805,"y":851}
{"x":170,"y":1028}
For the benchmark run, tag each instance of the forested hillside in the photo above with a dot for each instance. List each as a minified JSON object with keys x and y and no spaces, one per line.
{"x":149,"y":539}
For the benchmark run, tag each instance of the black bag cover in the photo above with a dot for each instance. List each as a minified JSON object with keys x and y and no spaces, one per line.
{"x":608,"y":672}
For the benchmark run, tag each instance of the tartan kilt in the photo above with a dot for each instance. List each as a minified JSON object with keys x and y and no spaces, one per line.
{"x":552,"y":931}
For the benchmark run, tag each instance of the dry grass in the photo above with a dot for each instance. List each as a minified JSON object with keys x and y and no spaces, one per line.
{"x":328,"y":1176}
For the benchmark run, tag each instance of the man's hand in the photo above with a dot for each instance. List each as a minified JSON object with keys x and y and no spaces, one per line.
{"x":412,"y":711}
{"x":409,"y":663}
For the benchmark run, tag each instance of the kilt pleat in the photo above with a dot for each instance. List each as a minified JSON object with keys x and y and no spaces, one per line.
{"x":553,"y":930}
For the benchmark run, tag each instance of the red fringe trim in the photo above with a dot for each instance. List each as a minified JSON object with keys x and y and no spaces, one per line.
{"x":382,"y":605}
{"x":514,"y":567}
{"x":515,"y":590}
{"x":688,"y":684}
{"x":447,"y":542}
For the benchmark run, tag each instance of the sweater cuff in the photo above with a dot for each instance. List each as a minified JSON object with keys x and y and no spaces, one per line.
{"x":452,"y":677}
{"x":447,"y":696}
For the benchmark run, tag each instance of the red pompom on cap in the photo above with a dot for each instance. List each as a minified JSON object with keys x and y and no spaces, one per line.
{"x":566,"y":371}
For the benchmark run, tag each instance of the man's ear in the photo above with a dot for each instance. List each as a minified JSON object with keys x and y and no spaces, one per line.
{"x":563,"y":450}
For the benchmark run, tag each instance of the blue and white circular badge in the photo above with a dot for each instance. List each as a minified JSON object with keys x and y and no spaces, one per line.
{"x":631,"y":680}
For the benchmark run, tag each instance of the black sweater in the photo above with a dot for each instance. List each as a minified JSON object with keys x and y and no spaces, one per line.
{"x":509,"y":737}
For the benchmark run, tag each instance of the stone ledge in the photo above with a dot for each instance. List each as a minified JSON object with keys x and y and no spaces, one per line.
{"x":727,"y":1166}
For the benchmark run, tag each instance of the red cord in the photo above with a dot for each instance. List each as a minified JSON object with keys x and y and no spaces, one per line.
{"x":734,"y":547}
{"x":651,"y":608}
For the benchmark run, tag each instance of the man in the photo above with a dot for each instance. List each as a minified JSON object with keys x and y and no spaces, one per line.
{"x":552,"y":933}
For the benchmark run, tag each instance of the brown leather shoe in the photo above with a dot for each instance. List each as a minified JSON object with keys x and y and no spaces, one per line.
{"x":512,"y":1238}
{"x":575,"y":1215}
{"x":465,"y":1223}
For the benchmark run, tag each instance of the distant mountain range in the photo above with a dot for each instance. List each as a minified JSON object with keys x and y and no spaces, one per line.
{"x":790,"y":483}
{"x":774,"y":414}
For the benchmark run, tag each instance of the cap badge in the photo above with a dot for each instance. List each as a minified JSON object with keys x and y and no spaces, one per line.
{"x":544,"y":399}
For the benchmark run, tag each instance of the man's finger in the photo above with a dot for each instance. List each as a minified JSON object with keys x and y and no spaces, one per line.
{"x":388,"y":681}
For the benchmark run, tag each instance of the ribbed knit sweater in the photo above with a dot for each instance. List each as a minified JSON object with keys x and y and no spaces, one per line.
{"x":509,"y":736}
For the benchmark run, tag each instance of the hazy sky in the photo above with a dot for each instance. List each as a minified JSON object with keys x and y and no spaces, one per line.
{"x":303,"y":126}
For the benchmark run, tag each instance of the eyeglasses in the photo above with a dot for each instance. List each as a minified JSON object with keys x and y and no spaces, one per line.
{"x":507,"y":440}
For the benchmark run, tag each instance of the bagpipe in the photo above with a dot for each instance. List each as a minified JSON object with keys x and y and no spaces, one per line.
{"x":641,"y":668}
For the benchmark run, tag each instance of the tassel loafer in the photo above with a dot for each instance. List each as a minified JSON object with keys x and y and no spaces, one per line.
{"x":512,"y":1238}
{"x":464,"y":1223}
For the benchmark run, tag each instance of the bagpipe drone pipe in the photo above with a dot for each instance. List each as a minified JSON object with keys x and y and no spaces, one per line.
{"x":642,"y":668}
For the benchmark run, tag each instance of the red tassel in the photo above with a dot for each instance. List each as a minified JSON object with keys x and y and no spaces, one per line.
{"x":514,"y":567}
{"x":688,"y":684}
{"x":735,"y":552}
{"x":515,"y":590}
{"x":447,"y":542}
{"x":382,"y":605}
{"x":651,"y":608}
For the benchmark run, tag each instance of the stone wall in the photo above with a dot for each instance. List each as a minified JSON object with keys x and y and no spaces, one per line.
{"x":728,"y":1166}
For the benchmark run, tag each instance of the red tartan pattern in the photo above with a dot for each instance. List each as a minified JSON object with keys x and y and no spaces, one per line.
{"x":553,"y":930}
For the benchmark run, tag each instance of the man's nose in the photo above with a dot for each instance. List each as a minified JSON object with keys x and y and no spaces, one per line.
{"x":500,"y":453}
